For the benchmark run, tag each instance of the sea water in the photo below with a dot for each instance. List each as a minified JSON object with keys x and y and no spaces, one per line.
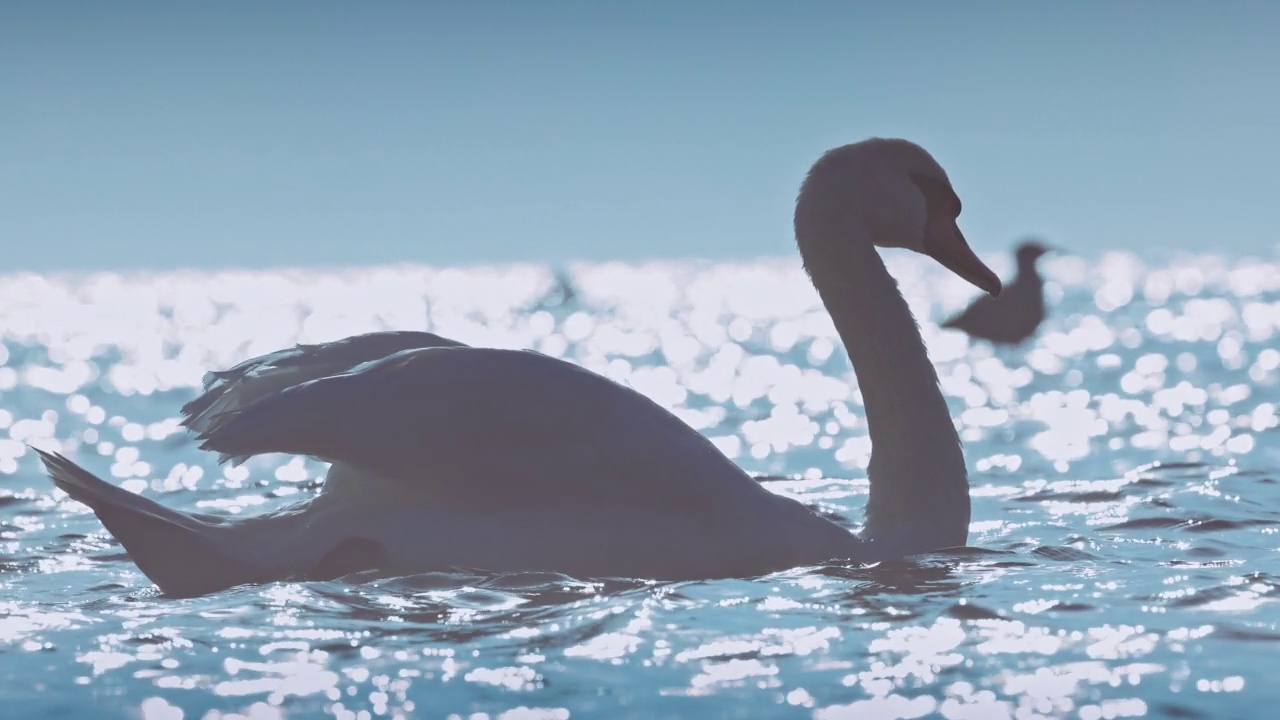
{"x":1124,"y":467}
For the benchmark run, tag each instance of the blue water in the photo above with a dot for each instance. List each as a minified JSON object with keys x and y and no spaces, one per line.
{"x":1124,"y":466}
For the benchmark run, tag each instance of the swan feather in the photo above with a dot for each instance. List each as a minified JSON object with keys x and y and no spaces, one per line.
{"x":433,"y":416}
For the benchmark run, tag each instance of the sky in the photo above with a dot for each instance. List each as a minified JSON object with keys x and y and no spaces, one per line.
{"x":237,"y":134}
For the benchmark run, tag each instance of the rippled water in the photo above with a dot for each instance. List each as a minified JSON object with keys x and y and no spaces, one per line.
{"x":1124,"y":469}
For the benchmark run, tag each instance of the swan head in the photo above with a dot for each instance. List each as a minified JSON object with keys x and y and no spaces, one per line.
{"x":898,"y":196}
{"x":1030,"y":251}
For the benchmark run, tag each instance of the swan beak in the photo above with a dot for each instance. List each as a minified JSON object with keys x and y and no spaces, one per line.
{"x":944,"y":242}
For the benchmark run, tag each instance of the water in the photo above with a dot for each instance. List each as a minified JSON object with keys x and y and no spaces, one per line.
{"x":1125,"y":522}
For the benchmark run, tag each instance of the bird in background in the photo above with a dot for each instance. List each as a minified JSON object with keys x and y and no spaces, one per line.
{"x":1014,"y":315}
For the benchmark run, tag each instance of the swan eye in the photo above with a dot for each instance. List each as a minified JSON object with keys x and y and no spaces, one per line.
{"x":939,"y":198}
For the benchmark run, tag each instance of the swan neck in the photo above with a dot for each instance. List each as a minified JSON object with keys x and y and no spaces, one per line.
{"x":919,"y":497}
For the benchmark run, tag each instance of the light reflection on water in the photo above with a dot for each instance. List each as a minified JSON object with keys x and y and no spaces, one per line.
{"x":1124,"y":469}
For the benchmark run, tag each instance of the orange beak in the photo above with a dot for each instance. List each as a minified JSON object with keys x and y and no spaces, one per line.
{"x":944,"y":243}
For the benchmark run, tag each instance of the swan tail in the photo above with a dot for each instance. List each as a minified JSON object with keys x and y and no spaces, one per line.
{"x":177,"y":552}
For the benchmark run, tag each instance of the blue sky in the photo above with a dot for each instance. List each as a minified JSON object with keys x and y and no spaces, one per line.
{"x":165,"y":135}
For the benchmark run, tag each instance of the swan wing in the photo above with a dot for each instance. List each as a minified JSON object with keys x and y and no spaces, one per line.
{"x":479,"y":427}
{"x":227,"y":391}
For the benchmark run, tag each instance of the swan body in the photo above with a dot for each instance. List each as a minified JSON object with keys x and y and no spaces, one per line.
{"x":448,"y":456}
{"x":1017,"y":312}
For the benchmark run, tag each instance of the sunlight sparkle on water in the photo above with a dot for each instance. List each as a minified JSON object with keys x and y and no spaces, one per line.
{"x":1124,"y":470}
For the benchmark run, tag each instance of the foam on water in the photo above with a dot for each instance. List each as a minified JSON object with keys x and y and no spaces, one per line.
{"x":1124,"y":466}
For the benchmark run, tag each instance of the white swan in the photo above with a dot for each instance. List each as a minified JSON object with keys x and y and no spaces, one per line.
{"x":450,"y":456}
{"x":1015,"y":315}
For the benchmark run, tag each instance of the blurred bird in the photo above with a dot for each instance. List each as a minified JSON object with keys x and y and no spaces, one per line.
{"x":1014,"y":314}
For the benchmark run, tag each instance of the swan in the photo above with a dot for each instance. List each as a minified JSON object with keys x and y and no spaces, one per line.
{"x":1015,"y":315}
{"x":448,"y":456}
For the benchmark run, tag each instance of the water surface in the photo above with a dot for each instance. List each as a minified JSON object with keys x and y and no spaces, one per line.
{"x":1124,"y":467}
